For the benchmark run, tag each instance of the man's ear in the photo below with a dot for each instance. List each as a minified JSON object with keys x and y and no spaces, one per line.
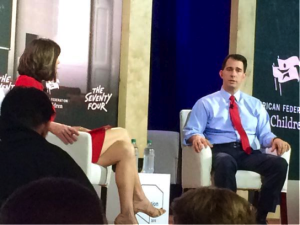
{"x":48,"y":124}
{"x":46,"y":128}
{"x":244,"y":76}
{"x":43,"y":129}
{"x":221,"y":74}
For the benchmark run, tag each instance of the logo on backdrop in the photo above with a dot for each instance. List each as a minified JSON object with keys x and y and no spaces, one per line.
{"x":6,"y":82}
{"x":97,"y":99}
{"x":286,"y":70}
{"x":51,"y":85}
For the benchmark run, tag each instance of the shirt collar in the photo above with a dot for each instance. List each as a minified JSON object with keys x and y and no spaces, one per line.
{"x":227,"y":95}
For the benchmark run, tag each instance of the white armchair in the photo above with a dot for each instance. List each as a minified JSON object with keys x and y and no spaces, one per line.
{"x":81,"y":152}
{"x":196,"y":169}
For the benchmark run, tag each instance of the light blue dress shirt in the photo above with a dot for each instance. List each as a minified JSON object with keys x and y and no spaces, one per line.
{"x":210,"y":118}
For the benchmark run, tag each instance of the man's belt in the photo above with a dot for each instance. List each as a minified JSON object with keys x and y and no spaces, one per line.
{"x":229,"y":145}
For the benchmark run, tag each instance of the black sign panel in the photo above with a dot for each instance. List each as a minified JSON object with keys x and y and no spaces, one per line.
{"x":276,"y":70}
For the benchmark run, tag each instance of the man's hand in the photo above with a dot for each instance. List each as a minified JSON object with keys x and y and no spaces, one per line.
{"x":280,"y":145}
{"x":199,"y":143}
{"x":67,"y":134}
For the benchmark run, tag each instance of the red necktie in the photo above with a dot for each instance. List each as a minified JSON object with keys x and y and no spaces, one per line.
{"x":236,"y":121}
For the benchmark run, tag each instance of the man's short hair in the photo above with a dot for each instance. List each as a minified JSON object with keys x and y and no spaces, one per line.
{"x":27,"y":106}
{"x":210,"y":205}
{"x":237,"y":57}
{"x":52,"y":201}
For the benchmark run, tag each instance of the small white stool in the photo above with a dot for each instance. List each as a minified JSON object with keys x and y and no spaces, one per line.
{"x":157,"y":190}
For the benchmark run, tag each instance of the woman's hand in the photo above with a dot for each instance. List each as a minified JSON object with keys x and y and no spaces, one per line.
{"x":82,"y":129}
{"x":67,"y":134}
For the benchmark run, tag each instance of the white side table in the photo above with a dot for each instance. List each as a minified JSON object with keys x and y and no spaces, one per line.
{"x":157,"y":190}
{"x":293,"y":201}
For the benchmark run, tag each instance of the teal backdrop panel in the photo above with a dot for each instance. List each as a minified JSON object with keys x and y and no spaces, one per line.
{"x":5,"y":22}
{"x":276,"y":70}
{"x":5,"y":30}
{"x":3,"y":61}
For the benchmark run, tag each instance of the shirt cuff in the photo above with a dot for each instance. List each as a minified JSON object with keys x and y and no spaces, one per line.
{"x":268,"y":141}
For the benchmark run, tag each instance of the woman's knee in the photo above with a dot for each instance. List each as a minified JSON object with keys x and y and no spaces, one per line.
{"x":122,"y":134}
{"x":126,"y":148}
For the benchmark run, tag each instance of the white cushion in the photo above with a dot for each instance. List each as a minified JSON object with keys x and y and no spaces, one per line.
{"x":248,"y":180}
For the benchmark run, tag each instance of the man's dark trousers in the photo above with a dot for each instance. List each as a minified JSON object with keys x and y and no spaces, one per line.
{"x":230,"y":157}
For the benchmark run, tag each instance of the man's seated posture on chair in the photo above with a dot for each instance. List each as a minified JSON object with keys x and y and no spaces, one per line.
{"x":229,"y":121}
{"x":25,"y":155}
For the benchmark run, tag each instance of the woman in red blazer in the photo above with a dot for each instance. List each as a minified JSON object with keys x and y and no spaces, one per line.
{"x":110,"y":145}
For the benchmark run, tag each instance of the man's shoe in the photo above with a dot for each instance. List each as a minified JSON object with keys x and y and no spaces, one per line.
{"x":261,"y":221}
{"x":261,"y":217}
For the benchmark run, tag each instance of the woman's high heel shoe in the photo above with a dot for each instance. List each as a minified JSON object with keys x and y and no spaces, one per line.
{"x":149,"y":210}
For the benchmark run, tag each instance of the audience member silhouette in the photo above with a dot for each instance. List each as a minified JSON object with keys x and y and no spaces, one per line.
{"x":25,"y":155}
{"x":52,"y":201}
{"x":209,"y":205}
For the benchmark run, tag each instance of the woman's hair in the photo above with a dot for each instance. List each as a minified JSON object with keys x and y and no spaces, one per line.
{"x":39,"y":60}
{"x":210,"y":205}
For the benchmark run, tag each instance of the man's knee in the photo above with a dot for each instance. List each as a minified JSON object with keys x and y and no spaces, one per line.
{"x":280,"y":164}
{"x":224,"y":162}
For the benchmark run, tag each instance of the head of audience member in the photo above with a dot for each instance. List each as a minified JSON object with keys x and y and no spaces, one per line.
{"x":210,"y":205}
{"x":233,"y":72}
{"x":52,"y":201}
{"x":28,"y":107}
{"x":39,"y":60}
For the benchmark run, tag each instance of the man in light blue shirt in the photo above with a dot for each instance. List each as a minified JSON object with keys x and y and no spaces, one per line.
{"x":210,"y":125}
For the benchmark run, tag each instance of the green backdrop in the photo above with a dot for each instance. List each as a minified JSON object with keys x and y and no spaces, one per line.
{"x":5,"y":29}
{"x":277,"y":38}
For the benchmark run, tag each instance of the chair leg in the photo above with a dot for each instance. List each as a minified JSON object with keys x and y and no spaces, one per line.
{"x":104,"y":198}
{"x":255,"y":199}
{"x":283,"y":209}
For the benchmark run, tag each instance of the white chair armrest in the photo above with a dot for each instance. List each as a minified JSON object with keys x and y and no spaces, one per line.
{"x":95,"y":174}
{"x":100,"y":175}
{"x":285,"y":155}
{"x":108,"y":176}
{"x":196,"y":167}
{"x":81,"y":152}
